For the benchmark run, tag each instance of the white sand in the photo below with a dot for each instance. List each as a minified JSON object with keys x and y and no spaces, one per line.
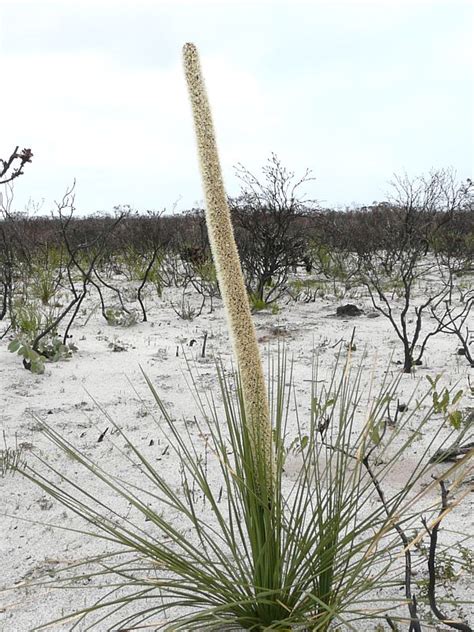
{"x":62,"y":397}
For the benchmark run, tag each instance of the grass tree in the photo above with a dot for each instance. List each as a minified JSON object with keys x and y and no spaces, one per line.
{"x":255,"y":549}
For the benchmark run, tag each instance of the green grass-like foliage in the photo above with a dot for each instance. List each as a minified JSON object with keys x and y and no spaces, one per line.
{"x":11,"y":459}
{"x":322,"y":553}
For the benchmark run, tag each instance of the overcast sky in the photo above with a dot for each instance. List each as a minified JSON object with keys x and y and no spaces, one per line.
{"x":355,"y":91}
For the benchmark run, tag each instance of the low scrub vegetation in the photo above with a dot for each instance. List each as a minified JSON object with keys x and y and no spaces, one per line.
{"x":411,"y":255}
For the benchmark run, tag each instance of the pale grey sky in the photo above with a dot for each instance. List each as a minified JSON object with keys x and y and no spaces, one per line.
{"x":354,"y":90}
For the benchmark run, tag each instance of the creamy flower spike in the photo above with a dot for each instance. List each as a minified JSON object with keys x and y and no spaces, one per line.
{"x":228,"y":268}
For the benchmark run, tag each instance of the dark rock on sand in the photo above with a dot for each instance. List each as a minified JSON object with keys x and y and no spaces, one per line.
{"x":348,"y":310}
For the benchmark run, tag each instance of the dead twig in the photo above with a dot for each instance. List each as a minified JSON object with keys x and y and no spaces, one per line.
{"x":433,"y":533}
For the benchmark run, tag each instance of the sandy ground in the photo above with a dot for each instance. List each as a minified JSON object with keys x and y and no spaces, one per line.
{"x":106,"y":368}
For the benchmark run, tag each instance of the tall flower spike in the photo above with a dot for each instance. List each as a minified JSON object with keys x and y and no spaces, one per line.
{"x":228,"y":269}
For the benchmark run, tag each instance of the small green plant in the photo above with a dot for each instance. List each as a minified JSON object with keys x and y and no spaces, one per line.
{"x":36,"y":338}
{"x":185,"y":310}
{"x":155,"y":277}
{"x":132,"y":263}
{"x":11,"y":459}
{"x":320,"y":255}
{"x":54,"y":349}
{"x":26,"y":319}
{"x":393,"y":285}
{"x":45,"y":284}
{"x":118,"y":317}
{"x":307,"y":290}
{"x":32,"y":360}
{"x":334,"y":264}
{"x":258,"y":304}
{"x":467,"y":557}
{"x":207,"y":272}
{"x":444,"y":402}
{"x":50,"y":349}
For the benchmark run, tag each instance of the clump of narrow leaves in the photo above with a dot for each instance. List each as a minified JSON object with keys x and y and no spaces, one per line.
{"x":321,"y":552}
